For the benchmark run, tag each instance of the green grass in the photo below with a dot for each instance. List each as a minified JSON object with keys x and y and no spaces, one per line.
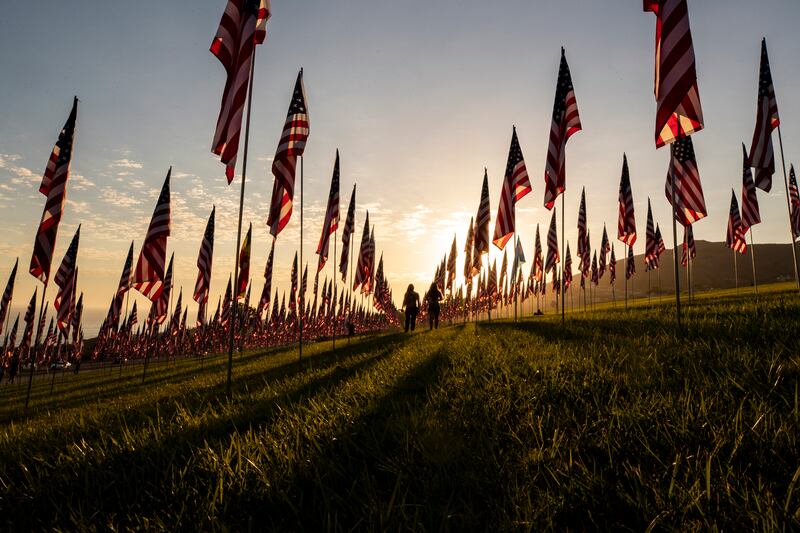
{"x":611,"y":422}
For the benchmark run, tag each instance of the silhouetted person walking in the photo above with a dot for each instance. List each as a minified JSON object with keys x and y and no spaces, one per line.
{"x":434,"y":296}
{"x":411,"y":306}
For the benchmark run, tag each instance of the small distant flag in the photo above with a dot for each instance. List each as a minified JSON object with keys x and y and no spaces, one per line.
{"x":347,"y":233}
{"x":482,"y":219}
{"x":750,"y":212}
{"x":553,"y":257}
{"x":204,"y":261}
{"x":691,"y":204}
{"x":244,"y":264}
{"x":331,"y":222}
{"x":626,"y":227}
{"x":735,"y":234}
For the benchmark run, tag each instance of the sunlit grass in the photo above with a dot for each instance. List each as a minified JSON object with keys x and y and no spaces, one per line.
{"x":616,"y":420}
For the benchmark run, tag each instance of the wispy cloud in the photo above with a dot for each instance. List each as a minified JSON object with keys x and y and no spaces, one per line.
{"x":115,"y":198}
{"x":126,"y":163}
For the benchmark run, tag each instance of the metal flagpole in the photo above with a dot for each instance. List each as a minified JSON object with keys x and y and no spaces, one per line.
{"x":625,"y":268}
{"x":753,"y":260}
{"x":300,"y":267}
{"x":35,"y":347}
{"x":675,"y":240}
{"x":335,"y":317}
{"x":789,"y":206}
{"x":563,"y":255}
{"x":239,"y":229}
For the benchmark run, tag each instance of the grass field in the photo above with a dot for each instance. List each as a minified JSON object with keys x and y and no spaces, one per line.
{"x":613,"y":421}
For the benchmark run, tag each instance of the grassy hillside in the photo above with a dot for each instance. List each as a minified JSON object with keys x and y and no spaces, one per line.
{"x":613,"y":421}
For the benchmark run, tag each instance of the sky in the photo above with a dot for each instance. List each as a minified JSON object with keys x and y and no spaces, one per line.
{"x":418,"y":97}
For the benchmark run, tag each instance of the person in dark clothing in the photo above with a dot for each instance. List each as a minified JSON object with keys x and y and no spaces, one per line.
{"x":411,"y":306}
{"x":434,"y":296}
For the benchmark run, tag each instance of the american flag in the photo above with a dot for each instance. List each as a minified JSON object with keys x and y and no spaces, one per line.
{"x":162,"y":303}
{"x":122,"y":288}
{"x":67,"y":268}
{"x":331,"y":222}
{"x":293,"y":296}
{"x":553,"y":257}
{"x":8,"y":294}
{"x":242,"y":27}
{"x":689,"y":248}
{"x":226,"y":305}
{"x":567,"y":268}
{"x":369,"y":275}
{"x":244,"y":264}
{"x":481,"y":239}
{"x":762,"y":157}
{"x":626,"y":227}
{"x":604,"y":249}
{"x":735,"y":235}
{"x":678,"y":110}
{"x":538,"y":258}
{"x":267,"y":291}
{"x":284,"y":165}
{"x":303,"y":288}
{"x":148,"y":278}
{"x":689,"y":191}
{"x":566,"y":121}
{"x":469,"y":243}
{"x":503,"y":268}
{"x":491,"y":286}
{"x":595,"y":278}
{"x":66,"y":303}
{"x":651,"y":244}
{"x":54,"y":187}
{"x":43,"y":319}
{"x":12,"y":339}
{"x":204,"y":261}
{"x":451,"y":265}
{"x":77,"y":314}
{"x":587,"y":254}
{"x":133,"y":318}
{"x":516,"y":184}
{"x":751,"y":214}
{"x":347,"y":233}
{"x":582,"y":232}
{"x":30,"y":315}
{"x":631,"y":266}
{"x":660,"y":246}
{"x":360,"y":274}
{"x":794,"y":200}
{"x":612,"y":266}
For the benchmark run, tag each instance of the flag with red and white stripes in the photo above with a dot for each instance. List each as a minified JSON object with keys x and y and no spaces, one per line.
{"x":630,"y":269}
{"x":480,"y":244}
{"x":678,"y":109}
{"x":263,"y":303}
{"x":794,"y":202}
{"x":553,"y":257}
{"x":566,"y":121}
{"x":284,"y":166}
{"x":651,"y":243}
{"x":67,"y":268}
{"x":122,"y":288}
{"x":5,"y":303}
{"x":538,"y":258}
{"x":751,"y":214}
{"x":516,"y":184}
{"x":243,"y":26}
{"x":225,"y":317}
{"x":567,"y":268}
{"x":162,"y":303}
{"x":734,"y":237}
{"x":244,"y":264}
{"x":66,"y":302}
{"x":688,"y":246}
{"x":204,"y":261}
{"x":691,"y":204}
{"x":30,"y":314}
{"x":148,"y":278}
{"x":54,"y":187}
{"x":612,"y":266}
{"x":626,"y":226}
{"x":604,"y":249}
{"x":583,"y":234}
{"x":762,"y":156}
{"x":331,"y":222}
{"x":347,"y":234}
{"x":361,"y":273}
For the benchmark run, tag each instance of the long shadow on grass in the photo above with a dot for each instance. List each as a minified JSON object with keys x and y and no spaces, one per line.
{"x":388,"y":470}
{"x":137,"y":482}
{"x":131,"y":384}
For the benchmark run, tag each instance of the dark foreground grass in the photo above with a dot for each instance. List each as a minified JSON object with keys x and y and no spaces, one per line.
{"x":611,"y":422}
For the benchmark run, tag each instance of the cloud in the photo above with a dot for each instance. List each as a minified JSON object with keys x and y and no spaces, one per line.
{"x":118,"y":199}
{"x":79,"y":182}
{"x":126,"y":163}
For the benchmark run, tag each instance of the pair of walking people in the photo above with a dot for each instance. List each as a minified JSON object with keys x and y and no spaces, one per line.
{"x":411,"y":306}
